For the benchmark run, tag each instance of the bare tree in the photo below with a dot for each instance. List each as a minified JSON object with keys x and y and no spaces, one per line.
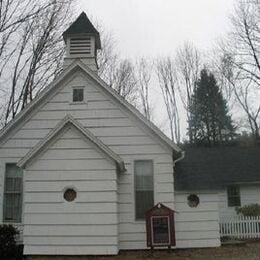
{"x":144,"y":70}
{"x":35,"y":58}
{"x":124,"y":82}
{"x":188,"y":66}
{"x":167,"y":80}
{"x":118,"y":73}
{"x":107,"y":58}
{"x":240,"y":61}
{"x":244,"y":91}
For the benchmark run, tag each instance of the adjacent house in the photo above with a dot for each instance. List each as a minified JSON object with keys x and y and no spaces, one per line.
{"x":232,"y":172}
{"x":79,"y":166}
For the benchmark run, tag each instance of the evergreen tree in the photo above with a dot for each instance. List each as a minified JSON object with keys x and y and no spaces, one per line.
{"x":210,"y":122}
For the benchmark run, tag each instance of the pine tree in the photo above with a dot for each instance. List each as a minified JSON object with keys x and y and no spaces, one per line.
{"x":210,"y":122}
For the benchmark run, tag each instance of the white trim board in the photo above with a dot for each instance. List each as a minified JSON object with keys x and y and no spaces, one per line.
{"x":67,"y":120}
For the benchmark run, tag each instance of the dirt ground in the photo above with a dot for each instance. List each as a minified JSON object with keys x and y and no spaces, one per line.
{"x":243,"y":251}
{"x":246,"y":251}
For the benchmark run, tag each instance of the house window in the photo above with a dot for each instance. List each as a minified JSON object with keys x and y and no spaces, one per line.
{"x":13,"y":193}
{"x":233,"y":194}
{"x":143,"y":171}
{"x":78,"y":95}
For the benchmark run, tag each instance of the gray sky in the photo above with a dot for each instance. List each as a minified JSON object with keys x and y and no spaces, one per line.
{"x":150,"y":28}
{"x":155,"y":27}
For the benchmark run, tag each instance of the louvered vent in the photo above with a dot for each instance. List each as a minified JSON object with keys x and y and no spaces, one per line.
{"x":80,"y":46}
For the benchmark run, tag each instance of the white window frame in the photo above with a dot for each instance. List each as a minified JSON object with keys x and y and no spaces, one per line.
{"x":84,"y":95}
{"x":134,"y":162}
{"x":238,"y":196}
{"x":10,"y":192}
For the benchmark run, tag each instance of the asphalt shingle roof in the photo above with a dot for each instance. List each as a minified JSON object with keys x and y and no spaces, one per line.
{"x":213,"y":168}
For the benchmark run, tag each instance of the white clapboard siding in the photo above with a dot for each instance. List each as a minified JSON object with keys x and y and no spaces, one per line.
{"x":38,"y":186}
{"x":249,"y":194}
{"x":57,"y":197}
{"x":79,"y":114}
{"x":197,"y":226}
{"x":127,"y":140}
{"x":71,"y":230}
{"x":103,"y":207}
{"x":71,"y":240}
{"x":69,"y":175}
{"x":20,"y":143}
{"x":131,"y":232}
{"x":72,"y":160}
{"x":72,"y":164}
{"x":70,"y":250}
{"x":93,"y":104}
{"x":70,"y":218}
{"x":95,"y":206}
{"x":13,"y":152}
{"x":92,"y":122}
{"x":73,"y":154}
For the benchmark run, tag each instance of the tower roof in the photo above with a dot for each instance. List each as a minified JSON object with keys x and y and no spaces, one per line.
{"x":82,"y":25}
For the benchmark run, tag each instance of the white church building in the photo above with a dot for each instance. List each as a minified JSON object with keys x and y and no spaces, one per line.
{"x":80,"y":166}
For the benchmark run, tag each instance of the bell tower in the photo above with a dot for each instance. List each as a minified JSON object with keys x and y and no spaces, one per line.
{"x":82,"y":42}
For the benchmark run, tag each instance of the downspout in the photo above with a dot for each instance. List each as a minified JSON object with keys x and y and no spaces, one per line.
{"x":174,"y":162}
{"x":180,"y":158}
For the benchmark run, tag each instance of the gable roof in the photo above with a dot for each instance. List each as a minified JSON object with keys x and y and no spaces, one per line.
{"x":69,"y":120}
{"x":32,"y":106}
{"x":82,"y":25}
{"x":216,"y":167}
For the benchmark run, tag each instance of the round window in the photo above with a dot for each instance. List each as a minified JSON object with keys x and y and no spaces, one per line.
{"x":193,"y":200}
{"x":70,"y":195}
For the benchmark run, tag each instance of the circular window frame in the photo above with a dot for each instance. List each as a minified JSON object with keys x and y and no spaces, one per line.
{"x":73,"y":192}
{"x":193,"y":200}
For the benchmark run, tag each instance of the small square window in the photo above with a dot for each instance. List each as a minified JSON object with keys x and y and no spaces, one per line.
{"x":78,"y":95}
{"x":233,"y":194}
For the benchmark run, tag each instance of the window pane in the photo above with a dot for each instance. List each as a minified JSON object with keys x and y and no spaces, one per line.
{"x":13,"y":194}
{"x":9,"y":184}
{"x":13,"y":207}
{"x":160,"y":230}
{"x":12,"y":171}
{"x":233,"y":194}
{"x":144,"y":201}
{"x":78,"y":95}
{"x":17,"y":184}
{"x":143,"y":187}
{"x":144,"y":168}
{"x":144,"y":182}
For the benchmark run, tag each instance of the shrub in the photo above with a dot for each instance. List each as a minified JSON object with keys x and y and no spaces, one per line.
{"x":249,"y":210}
{"x":8,"y":248}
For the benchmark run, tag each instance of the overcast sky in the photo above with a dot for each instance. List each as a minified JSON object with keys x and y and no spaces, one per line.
{"x":156,"y":27}
{"x":150,"y":28}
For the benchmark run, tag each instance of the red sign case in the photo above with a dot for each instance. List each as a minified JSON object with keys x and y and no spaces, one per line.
{"x":160,"y":231}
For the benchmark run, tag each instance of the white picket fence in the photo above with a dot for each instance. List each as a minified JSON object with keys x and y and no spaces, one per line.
{"x":240,"y":227}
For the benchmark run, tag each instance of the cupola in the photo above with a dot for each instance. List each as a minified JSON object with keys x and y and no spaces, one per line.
{"x":82,"y":42}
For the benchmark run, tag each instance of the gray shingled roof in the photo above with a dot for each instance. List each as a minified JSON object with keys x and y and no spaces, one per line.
{"x":212,"y":168}
{"x":82,"y":25}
